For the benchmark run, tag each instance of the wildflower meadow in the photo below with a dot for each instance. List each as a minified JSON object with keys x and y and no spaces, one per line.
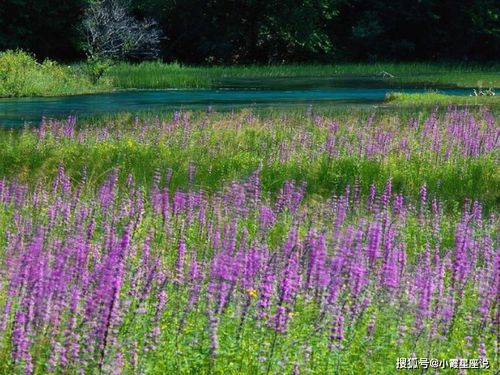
{"x":194,"y":245}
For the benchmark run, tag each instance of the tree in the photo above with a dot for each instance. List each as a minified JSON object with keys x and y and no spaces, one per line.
{"x":243,"y":31}
{"x":112,"y":33}
{"x":47,"y":28}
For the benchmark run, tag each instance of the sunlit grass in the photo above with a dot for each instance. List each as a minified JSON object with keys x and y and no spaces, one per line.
{"x":436,"y":98}
{"x":226,"y":147}
{"x":21,"y":75}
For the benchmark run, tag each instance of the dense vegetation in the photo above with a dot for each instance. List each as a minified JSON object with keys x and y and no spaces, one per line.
{"x":455,"y":153}
{"x":257,"y":31}
{"x":251,"y":242}
{"x":239,"y":244}
{"x":159,"y":75}
{"x":22,"y":75}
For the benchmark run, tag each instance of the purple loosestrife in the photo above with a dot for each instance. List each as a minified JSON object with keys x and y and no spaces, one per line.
{"x":297,"y":196}
{"x":180,"y":202}
{"x":460,"y":266}
{"x":237,"y":197}
{"x":287,"y":291}
{"x":155,"y":192}
{"x":425,"y":285}
{"x":254,"y":188}
{"x":330,"y":145}
{"x":230,"y":234}
{"x":252,"y":262}
{"x":386,"y":195}
{"x":341,"y":212}
{"x":284,"y":197}
{"x":390,"y":274}
{"x":159,"y":309}
{"x":223,"y":277}
{"x":79,"y":294}
{"x":423,"y":201}
{"x":398,"y":206}
{"x":374,"y":242}
{"x":266,"y":288}
{"x":196,"y":278}
{"x":317,"y":275}
{"x":291,"y":241}
{"x":20,"y":340}
{"x":179,"y":263}
{"x":72,"y":336}
{"x":108,"y":190}
{"x":495,"y":286}
{"x":266,"y":218}
{"x":336,"y":332}
{"x":358,"y":271}
{"x":371,"y":197}
{"x":165,"y":206}
{"x":439,"y":274}
{"x":336,"y":277}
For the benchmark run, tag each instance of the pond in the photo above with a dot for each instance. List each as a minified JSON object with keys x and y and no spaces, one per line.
{"x":231,"y":94}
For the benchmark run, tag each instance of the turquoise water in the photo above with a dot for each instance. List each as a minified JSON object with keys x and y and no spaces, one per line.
{"x":233,"y":95}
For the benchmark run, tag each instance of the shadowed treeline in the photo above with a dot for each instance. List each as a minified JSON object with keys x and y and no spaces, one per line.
{"x":257,"y":31}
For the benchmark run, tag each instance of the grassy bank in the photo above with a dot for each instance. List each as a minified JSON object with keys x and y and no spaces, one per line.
{"x":160,"y":75}
{"x":435,"y":98}
{"x":21,"y":75}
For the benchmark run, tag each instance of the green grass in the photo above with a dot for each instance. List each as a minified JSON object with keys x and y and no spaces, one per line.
{"x":157,"y":75}
{"x":21,"y":75}
{"x":436,"y":98}
{"x":228,"y":147}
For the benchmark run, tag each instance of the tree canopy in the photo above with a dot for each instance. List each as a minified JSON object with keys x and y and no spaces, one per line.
{"x":273,"y":31}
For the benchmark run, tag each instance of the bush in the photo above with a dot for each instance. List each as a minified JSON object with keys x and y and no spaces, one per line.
{"x":22,"y":75}
{"x":95,"y":68}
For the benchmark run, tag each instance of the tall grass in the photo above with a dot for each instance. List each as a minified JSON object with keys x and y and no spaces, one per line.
{"x":160,"y":75}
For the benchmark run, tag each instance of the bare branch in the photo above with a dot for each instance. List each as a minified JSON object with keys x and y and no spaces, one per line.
{"x":110,"y":32}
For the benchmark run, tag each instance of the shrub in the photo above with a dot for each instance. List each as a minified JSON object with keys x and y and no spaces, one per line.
{"x":22,"y":75}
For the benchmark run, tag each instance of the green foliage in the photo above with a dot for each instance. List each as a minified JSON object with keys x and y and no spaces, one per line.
{"x":381,"y":29}
{"x":96,"y":68}
{"x":22,"y":75}
{"x":259,"y":31}
{"x":282,"y":31}
{"x":47,"y":28}
{"x":217,"y":32}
